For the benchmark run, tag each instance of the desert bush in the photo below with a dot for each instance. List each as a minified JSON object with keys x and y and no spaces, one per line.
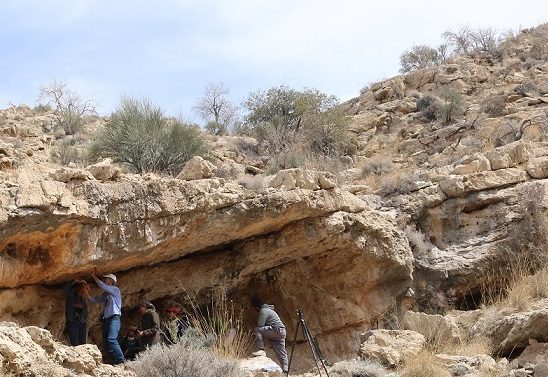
{"x":64,"y":152}
{"x":429,"y":107}
{"x":215,"y":128}
{"x":377,"y":165}
{"x":358,"y":368}
{"x":494,"y":106}
{"x":418,"y":241}
{"x":69,"y":108}
{"x":451,"y":106}
{"x":139,"y":135}
{"x":424,"y":364}
{"x":41,"y":108}
{"x":400,"y":182}
{"x":527,"y":88}
{"x":419,"y":57}
{"x":287,"y":121}
{"x":182,"y":360}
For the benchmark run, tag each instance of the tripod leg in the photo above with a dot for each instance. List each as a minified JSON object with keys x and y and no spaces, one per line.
{"x":308,"y":337}
{"x":292,"y":348}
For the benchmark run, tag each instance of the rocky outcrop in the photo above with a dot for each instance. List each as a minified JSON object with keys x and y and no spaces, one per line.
{"x":169,"y":239}
{"x":31,"y":351}
{"x":390,"y":347}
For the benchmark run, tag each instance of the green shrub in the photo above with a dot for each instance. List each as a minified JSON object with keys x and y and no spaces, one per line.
{"x":296,"y":125}
{"x":41,"y":108}
{"x":70,"y":122}
{"x":428,"y":106}
{"x":451,"y":106}
{"x":64,"y":152}
{"x":139,"y":135}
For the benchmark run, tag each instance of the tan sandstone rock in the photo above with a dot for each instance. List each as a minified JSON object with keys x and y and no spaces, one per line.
{"x":432,"y":326}
{"x":457,"y":186}
{"x":31,"y":351}
{"x":197,"y":168}
{"x":104,"y":170}
{"x":305,"y":179}
{"x":390,"y":347}
{"x":538,"y":167}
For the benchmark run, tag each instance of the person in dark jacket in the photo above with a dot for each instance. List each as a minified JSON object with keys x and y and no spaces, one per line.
{"x":131,"y":344}
{"x":271,"y":327}
{"x":76,"y":312}
{"x":150,"y":324}
{"x":174,"y":326}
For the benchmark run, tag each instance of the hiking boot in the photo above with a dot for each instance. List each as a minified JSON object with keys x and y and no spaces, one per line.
{"x":259,"y":353}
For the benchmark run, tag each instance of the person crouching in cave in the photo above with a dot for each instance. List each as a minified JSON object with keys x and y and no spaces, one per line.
{"x":174,"y":325}
{"x":150,"y":324}
{"x":76,"y":312}
{"x":111,"y":298}
{"x":271,"y":327}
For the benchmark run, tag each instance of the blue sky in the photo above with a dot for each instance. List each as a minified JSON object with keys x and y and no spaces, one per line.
{"x":167,"y":51}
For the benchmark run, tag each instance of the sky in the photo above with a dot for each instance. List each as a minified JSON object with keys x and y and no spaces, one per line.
{"x":168,"y":51}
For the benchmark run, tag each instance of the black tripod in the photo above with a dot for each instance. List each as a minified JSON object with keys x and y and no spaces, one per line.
{"x":312,"y":342}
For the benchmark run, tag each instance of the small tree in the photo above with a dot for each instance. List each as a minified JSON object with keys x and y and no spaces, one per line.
{"x":141,"y":136}
{"x":460,"y":41}
{"x":284,"y":118}
{"x":215,"y":108}
{"x":419,"y":57}
{"x":68,"y":107}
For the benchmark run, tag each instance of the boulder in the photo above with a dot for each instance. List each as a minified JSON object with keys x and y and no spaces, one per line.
{"x":535,"y":353}
{"x":71,"y":174}
{"x":31,"y":351}
{"x":470,"y":365}
{"x":434,"y":327}
{"x":290,"y":179}
{"x":390,"y":347}
{"x":538,"y":167}
{"x":458,"y":186}
{"x":255,"y":365}
{"x":514,"y":331}
{"x":477,"y":164}
{"x":510,"y":155}
{"x":197,"y":168}
{"x":104,"y":170}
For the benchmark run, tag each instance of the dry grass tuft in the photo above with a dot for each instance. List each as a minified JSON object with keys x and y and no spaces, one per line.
{"x":222,"y":321}
{"x":469,"y":347}
{"x":424,"y":364}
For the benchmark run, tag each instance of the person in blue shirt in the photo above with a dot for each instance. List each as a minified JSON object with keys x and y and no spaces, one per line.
{"x":111,"y":298}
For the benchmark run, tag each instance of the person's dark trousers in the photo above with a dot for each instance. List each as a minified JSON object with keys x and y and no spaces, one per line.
{"x":111,"y":329}
{"x":76,"y":332}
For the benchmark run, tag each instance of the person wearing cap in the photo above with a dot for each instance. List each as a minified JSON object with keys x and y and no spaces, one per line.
{"x":271,"y":327}
{"x":111,"y":298}
{"x":174,"y":326}
{"x":150,"y":324}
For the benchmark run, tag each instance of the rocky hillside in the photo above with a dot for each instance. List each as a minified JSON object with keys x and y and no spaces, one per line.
{"x":444,"y":196}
